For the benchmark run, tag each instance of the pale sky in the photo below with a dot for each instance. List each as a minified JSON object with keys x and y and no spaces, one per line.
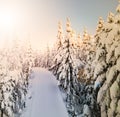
{"x":37,"y":20}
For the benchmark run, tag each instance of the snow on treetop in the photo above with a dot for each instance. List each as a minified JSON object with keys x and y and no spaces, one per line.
{"x":79,"y":36}
{"x":118,"y":8}
{"x":110,"y":18}
{"x":101,"y":21}
{"x":60,"y":27}
{"x":60,"y":32}
{"x":68,"y":25}
{"x":79,"y":39}
{"x":73,"y":33}
{"x":85,"y":30}
{"x":100,"y":24}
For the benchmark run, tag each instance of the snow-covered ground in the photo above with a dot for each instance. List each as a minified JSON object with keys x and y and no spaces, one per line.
{"x":44,"y":97}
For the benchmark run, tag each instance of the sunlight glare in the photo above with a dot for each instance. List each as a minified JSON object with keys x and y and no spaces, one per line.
{"x":10,"y":22}
{"x":7,"y":19}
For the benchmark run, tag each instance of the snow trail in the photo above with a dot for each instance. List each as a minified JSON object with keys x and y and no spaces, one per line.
{"x":44,"y":98}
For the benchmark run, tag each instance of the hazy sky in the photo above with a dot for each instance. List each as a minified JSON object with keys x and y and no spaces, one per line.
{"x":38,"y":19}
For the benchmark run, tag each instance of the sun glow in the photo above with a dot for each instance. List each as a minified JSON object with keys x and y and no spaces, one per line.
{"x":10,"y":22}
{"x":24,"y":20}
{"x":7,"y":19}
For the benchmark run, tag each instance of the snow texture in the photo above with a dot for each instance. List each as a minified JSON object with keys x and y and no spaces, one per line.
{"x":108,"y":66}
{"x":44,"y":98}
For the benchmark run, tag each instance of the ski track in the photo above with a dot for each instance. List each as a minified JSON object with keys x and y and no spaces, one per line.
{"x":46,"y":99}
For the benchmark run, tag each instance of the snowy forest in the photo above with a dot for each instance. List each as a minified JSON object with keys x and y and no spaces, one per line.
{"x":87,"y":68}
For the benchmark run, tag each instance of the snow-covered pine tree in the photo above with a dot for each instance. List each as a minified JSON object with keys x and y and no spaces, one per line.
{"x":74,"y":39}
{"x":89,"y":65}
{"x":37,"y":58}
{"x":47,"y":58}
{"x":107,"y":71}
{"x":66,"y":68}
{"x":59,"y":36}
{"x":85,"y":56}
{"x":100,"y":24}
{"x":67,"y":71}
{"x":13,"y":82}
{"x":87,"y":101}
{"x":57,"y":55}
{"x":79,"y":44}
{"x":28,"y":59}
{"x":79,"y":41}
{"x":85,"y":45}
{"x":79,"y":52}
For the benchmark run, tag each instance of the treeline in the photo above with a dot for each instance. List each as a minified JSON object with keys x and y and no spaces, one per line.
{"x":88,"y":68}
{"x":15,"y":65}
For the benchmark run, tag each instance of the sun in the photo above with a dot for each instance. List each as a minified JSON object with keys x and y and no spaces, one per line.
{"x":9,"y":22}
{"x":7,"y":19}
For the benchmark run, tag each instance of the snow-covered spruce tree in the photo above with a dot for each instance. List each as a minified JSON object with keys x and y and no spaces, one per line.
{"x":87,"y":99}
{"x":100,"y":25}
{"x":79,"y":54}
{"x":79,"y":44}
{"x":13,"y":83}
{"x":107,"y":71}
{"x":13,"y":91}
{"x":67,"y":71}
{"x":86,"y":44}
{"x":57,"y":55}
{"x":83,"y":49}
{"x":59,"y":36}
{"x":27,"y":59}
{"x":29,"y":55}
{"x":37,"y":59}
{"x":66,"y":68}
{"x":86,"y":53}
{"x":47,"y":58}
